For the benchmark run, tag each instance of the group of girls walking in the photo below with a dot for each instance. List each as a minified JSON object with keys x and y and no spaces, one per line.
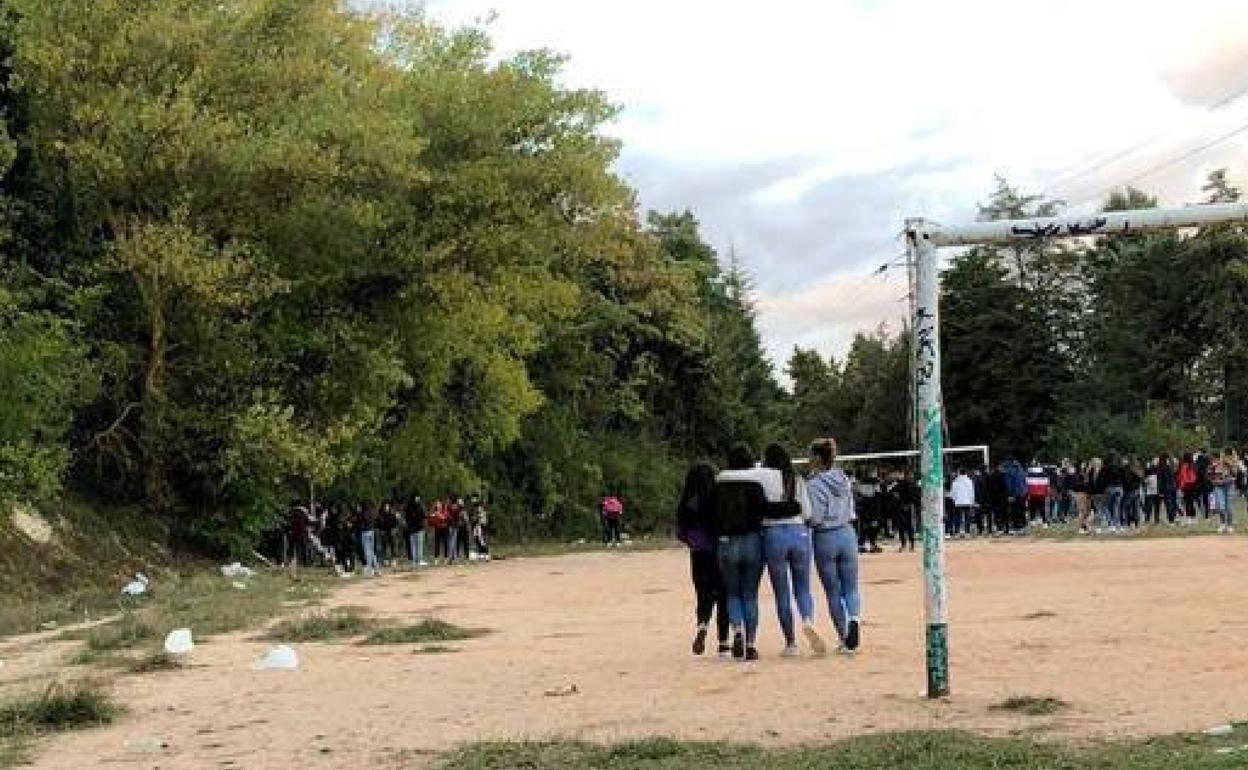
{"x":739,"y":520}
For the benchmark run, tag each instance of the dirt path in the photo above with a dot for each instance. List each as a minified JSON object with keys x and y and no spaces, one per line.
{"x":1140,"y":637}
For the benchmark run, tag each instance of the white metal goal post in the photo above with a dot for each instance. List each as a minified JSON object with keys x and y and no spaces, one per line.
{"x":923,"y":242}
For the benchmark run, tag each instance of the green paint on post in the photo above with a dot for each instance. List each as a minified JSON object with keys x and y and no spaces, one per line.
{"x":937,"y":660}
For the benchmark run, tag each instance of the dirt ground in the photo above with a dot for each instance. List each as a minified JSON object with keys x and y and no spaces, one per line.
{"x":1140,"y":637}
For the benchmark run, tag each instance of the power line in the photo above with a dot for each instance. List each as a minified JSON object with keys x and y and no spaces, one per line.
{"x":1098,"y":165}
{"x":1190,"y":153}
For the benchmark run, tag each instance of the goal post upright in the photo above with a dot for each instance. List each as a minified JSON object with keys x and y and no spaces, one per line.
{"x":924,"y":240}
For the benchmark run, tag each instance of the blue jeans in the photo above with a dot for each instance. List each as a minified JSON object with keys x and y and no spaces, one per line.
{"x":741,"y":565}
{"x":1222,"y":496}
{"x":416,"y":547}
{"x":1113,"y":506}
{"x":836,"y":559}
{"x":787,"y":550}
{"x":368,"y":541}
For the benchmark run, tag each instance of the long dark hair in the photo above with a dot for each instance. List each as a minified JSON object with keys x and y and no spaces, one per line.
{"x":740,"y":457}
{"x":697,"y":489}
{"x":775,"y":457}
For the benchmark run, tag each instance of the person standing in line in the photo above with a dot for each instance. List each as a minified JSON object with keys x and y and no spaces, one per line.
{"x":464,"y":535}
{"x":1222,"y":482}
{"x":963,"y":493}
{"x":1167,"y":487}
{"x":835,"y":544}
{"x":787,"y":551}
{"x":439,"y":521}
{"x":387,"y":520}
{"x":368,"y":539}
{"x":1189,"y":487}
{"x":414,"y":519}
{"x":739,"y":505}
{"x":695,"y":527}
{"x":454,"y":510}
{"x":898,"y":506}
{"x":611,"y":510}
{"x":480,"y":528}
{"x":1152,"y":492}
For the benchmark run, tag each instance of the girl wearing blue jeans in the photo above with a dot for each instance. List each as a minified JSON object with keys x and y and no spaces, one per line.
{"x":835,"y":544}
{"x":787,"y":551}
{"x":738,"y":504}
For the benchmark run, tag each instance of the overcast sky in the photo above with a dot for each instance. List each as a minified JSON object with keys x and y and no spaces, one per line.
{"x":803,"y":133}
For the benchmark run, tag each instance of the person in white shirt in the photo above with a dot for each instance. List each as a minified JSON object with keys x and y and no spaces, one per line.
{"x":787,"y":550}
{"x":963,"y":493}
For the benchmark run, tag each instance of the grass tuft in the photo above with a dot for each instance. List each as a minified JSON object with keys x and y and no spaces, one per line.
{"x":57,"y":709}
{"x":340,"y":623}
{"x":434,"y":649}
{"x":1031,"y":705}
{"x":944,"y":750}
{"x":427,"y":631}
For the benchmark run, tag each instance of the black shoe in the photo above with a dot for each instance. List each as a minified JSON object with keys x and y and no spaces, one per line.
{"x":738,"y":646}
{"x":724,"y":649}
{"x":852,"y":637}
{"x":699,"y":642}
{"x":751,"y":654}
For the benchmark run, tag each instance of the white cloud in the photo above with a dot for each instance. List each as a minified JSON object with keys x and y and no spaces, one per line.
{"x":805,"y":132}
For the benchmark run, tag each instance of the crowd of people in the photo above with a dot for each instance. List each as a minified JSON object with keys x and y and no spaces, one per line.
{"x":752,"y":516}
{"x":1109,"y":495}
{"x":370,"y":537}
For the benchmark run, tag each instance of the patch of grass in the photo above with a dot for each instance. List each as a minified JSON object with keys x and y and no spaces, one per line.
{"x":157,"y":661}
{"x":911,"y":750}
{"x":426,"y":631}
{"x":434,"y":649}
{"x":59,"y":708}
{"x":127,"y":632}
{"x":1031,"y":705}
{"x":339,"y":623}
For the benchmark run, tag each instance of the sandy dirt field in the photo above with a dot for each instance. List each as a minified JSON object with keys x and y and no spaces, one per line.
{"x":1140,"y":637}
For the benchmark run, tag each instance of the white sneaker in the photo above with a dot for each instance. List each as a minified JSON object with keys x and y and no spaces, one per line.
{"x":841,"y":649}
{"x":790,"y":651}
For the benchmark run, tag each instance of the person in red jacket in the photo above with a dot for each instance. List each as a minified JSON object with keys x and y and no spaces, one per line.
{"x":1188,"y":482}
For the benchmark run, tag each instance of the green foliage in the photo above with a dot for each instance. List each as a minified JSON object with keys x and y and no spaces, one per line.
{"x":1094,"y":433}
{"x":59,"y":707}
{"x":862,"y":403}
{"x":313,"y":253}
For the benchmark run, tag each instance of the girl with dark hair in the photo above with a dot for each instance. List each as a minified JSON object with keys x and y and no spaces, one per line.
{"x":1189,"y":486}
{"x":738,"y":504}
{"x":695,"y":528}
{"x":787,"y":550}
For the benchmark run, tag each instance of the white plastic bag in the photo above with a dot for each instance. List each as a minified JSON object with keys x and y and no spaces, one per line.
{"x":178,"y":643}
{"x":237,"y":570}
{"x":280,"y":658}
{"x":136,"y":587}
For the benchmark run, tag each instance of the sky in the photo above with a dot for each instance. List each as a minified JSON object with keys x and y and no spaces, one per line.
{"x":802,"y":134}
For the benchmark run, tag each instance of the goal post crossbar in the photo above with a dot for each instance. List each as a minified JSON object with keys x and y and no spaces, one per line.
{"x":906,"y":454}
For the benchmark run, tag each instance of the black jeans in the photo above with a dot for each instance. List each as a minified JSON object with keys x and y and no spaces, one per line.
{"x":904,"y":522}
{"x":708,"y":585}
